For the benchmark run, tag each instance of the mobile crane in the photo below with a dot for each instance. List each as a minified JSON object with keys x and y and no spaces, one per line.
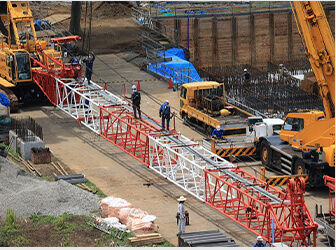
{"x":306,"y":144}
{"x":21,"y":52}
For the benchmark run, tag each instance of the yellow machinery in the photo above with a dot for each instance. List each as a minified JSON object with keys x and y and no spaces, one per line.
{"x":18,"y":43}
{"x":307,"y":140}
{"x":203,"y":104}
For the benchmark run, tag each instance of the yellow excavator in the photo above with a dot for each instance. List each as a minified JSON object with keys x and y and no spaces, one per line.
{"x":306,"y":144}
{"x":18,"y":44}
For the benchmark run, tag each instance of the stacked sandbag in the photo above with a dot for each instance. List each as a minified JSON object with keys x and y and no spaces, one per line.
{"x":111,"y":206}
{"x":134,"y":215}
{"x":144,"y":225}
{"x":120,"y":213}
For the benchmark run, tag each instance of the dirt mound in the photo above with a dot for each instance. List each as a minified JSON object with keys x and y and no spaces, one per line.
{"x":111,"y":10}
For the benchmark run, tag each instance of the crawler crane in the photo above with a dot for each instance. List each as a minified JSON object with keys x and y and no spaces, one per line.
{"x":21,"y":52}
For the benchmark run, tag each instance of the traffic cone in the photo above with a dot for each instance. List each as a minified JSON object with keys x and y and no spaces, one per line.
{"x":139,"y":88}
{"x":170,"y":84}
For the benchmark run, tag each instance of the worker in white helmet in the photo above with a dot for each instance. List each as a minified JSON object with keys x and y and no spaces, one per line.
{"x":218,"y":133}
{"x":165,"y":114}
{"x":246,"y":76}
{"x":136,"y":99}
{"x":259,"y":242}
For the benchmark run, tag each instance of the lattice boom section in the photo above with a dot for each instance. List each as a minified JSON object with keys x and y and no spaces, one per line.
{"x":237,"y":194}
{"x":183,"y":161}
{"x":255,"y":209}
{"x":119,"y":127}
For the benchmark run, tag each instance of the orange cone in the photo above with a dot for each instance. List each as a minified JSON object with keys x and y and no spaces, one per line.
{"x":170,"y":84}
{"x":139,"y":88}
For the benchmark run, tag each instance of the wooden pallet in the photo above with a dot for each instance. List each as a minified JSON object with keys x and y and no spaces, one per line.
{"x":146,"y":239}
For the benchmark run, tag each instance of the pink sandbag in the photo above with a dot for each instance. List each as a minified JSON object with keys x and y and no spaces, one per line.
{"x":111,"y":206}
{"x":104,"y":203}
{"x":134,"y":215}
{"x":123,"y":215}
{"x":114,"y":208}
{"x":139,"y":227}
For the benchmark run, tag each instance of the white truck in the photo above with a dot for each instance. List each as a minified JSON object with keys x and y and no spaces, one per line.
{"x":232,"y":146}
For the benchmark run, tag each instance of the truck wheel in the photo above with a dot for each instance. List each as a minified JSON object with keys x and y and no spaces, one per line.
{"x":208,"y":131}
{"x":300,"y":167}
{"x":185,"y":117}
{"x":265,"y":153}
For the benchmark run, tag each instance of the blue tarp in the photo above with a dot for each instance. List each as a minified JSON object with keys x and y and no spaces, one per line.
{"x":42,"y":25}
{"x":4,"y":100}
{"x":180,"y":71}
{"x":173,"y":52}
{"x":164,"y":10}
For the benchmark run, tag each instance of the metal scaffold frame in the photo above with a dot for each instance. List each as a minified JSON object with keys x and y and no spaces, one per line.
{"x":239,"y":195}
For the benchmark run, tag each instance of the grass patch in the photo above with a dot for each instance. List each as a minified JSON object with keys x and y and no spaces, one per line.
{"x":20,"y":241}
{"x":10,"y":222}
{"x":48,"y":178}
{"x":95,"y":189}
{"x":10,"y":150}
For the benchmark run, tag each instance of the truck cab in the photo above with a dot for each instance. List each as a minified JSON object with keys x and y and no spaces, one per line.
{"x":295,"y":122}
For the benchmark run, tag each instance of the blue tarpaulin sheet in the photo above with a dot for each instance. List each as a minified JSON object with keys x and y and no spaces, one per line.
{"x":173,"y":52}
{"x":180,"y":71}
{"x":4,"y":100}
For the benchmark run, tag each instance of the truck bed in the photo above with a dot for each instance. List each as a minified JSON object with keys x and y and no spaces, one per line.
{"x":231,"y":122}
{"x":279,"y":145}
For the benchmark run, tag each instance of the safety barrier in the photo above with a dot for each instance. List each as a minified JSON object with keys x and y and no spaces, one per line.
{"x":281,"y":180}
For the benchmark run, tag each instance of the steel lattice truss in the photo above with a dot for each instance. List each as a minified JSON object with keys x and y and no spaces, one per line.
{"x":253,"y":204}
{"x":242,"y":197}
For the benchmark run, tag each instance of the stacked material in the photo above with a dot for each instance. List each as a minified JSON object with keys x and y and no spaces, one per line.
{"x":136,"y":220}
{"x":146,"y":239}
{"x":111,"y":206}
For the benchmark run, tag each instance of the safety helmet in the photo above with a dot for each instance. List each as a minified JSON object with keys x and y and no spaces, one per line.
{"x":218,"y":127}
{"x":167,"y":101}
{"x":259,"y":238}
{"x":280,"y":64}
{"x":245,"y":70}
{"x":134,"y":87}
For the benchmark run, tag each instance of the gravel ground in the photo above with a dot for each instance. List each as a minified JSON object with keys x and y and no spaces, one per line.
{"x":27,"y":194}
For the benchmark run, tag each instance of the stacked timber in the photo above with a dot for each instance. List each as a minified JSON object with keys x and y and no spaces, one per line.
{"x":146,"y":239}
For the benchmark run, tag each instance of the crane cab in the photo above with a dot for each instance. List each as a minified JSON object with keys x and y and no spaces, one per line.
{"x":295,"y":122}
{"x":15,"y":67}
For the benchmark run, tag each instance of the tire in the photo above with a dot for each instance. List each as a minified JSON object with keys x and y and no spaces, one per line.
{"x":299,"y":167}
{"x":185,"y":117}
{"x":208,"y":131}
{"x":265,"y":153}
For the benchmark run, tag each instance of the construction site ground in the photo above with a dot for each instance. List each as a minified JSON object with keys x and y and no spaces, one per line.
{"x":118,"y":174}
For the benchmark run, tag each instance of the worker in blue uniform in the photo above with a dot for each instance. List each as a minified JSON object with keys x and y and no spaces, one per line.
{"x":89,"y":65}
{"x":165,"y":114}
{"x":259,"y":242}
{"x":218,"y":133}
